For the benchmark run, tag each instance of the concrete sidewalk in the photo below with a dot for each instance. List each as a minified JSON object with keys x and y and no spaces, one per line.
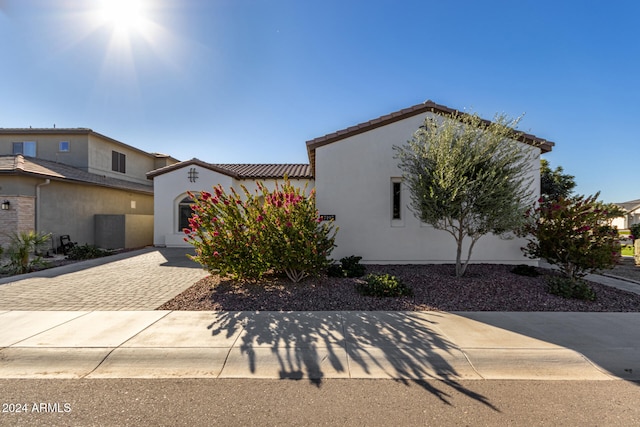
{"x":88,"y":338}
{"x":317,"y":345}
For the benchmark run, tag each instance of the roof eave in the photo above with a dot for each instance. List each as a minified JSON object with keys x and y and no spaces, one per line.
{"x":428,"y":106}
{"x":20,"y":172}
{"x":197,"y":162}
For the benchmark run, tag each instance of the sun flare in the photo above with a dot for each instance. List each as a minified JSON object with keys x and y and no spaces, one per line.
{"x":126,"y":15}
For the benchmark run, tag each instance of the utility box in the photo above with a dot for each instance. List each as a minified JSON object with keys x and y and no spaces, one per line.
{"x":123,"y":231}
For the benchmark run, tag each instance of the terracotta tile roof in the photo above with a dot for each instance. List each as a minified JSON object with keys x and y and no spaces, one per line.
{"x":244,"y":171}
{"x":21,"y":165}
{"x":265,"y":171}
{"x":427,"y":106}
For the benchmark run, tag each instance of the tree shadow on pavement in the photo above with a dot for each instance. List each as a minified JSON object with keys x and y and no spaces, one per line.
{"x":403,"y":346}
{"x":177,"y":257}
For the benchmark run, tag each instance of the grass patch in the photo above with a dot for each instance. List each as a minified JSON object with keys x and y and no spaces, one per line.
{"x":626,"y":250}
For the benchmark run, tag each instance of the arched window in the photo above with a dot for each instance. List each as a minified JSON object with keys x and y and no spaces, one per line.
{"x":184,"y":213}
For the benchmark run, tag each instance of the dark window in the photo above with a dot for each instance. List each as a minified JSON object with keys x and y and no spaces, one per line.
{"x":27,"y":148}
{"x":184,"y":213}
{"x":396,"y":200}
{"x":118,"y":162}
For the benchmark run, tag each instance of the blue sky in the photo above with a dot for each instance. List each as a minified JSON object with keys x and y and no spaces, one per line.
{"x":250,"y":81}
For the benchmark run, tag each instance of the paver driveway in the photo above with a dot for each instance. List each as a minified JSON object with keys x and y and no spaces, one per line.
{"x":137,"y":280}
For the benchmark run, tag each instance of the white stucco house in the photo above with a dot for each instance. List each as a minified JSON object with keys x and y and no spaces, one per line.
{"x":358,"y":185}
{"x":172,"y":183}
{"x":631,"y":214}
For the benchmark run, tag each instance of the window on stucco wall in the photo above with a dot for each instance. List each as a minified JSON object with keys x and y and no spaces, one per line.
{"x":26,"y":148}
{"x":395,"y":197}
{"x":184,"y":213}
{"x":397,"y":211}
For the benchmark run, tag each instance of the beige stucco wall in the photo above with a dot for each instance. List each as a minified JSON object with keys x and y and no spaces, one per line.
{"x":47,"y":147}
{"x":138,"y":231}
{"x":70,"y":208}
{"x":18,"y":185}
{"x":100,"y":160}
{"x":353,"y":182}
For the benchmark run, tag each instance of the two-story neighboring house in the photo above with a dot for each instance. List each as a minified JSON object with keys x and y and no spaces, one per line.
{"x":76,"y":182}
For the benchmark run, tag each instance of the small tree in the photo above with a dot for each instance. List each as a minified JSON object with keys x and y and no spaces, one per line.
{"x":575,"y":234}
{"x":467,"y":176}
{"x":555,"y":183}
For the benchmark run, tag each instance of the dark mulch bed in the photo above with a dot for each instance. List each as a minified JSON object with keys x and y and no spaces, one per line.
{"x":486,"y":287}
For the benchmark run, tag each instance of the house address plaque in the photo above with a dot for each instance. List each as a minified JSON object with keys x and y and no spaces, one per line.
{"x":327,"y":217}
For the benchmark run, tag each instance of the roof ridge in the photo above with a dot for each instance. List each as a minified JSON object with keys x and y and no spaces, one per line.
{"x":19,"y":162}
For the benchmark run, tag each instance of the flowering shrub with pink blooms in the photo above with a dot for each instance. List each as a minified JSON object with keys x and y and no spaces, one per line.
{"x":246,"y":236}
{"x":574,"y":233}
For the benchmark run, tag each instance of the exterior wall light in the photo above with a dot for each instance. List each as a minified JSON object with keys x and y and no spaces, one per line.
{"x":5,"y":205}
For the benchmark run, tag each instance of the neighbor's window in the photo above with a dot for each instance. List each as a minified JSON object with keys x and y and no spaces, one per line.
{"x":118,"y":162}
{"x":26,"y":148}
{"x":63,"y":146}
{"x":395,"y":196}
{"x":184,"y":213}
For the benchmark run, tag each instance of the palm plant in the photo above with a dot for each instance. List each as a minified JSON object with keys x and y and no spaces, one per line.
{"x":23,"y":244}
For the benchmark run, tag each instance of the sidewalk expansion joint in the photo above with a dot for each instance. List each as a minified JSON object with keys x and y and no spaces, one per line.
{"x":466,"y":356}
{"x":48,"y":329}
{"x":226,"y":357}
{"x":122,"y":343}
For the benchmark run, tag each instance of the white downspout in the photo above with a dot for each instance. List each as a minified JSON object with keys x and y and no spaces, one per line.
{"x":42,"y":184}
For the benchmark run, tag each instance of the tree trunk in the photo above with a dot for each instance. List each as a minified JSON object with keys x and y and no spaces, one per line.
{"x":459,"y":269}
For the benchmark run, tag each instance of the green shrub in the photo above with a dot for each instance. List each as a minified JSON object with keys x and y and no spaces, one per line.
{"x":351,"y":266}
{"x":86,"y":251}
{"x":21,"y":246}
{"x":525,"y":270}
{"x":335,"y":270}
{"x":568,"y":288}
{"x":575,"y":234}
{"x":383,"y":285}
{"x":246,"y":236}
{"x":635,"y":231}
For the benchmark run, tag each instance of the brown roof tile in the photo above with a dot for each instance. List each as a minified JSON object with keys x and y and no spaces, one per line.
{"x":19,"y":164}
{"x":244,"y":171}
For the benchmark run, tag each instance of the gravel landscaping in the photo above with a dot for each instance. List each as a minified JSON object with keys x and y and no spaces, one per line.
{"x":486,"y":287}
